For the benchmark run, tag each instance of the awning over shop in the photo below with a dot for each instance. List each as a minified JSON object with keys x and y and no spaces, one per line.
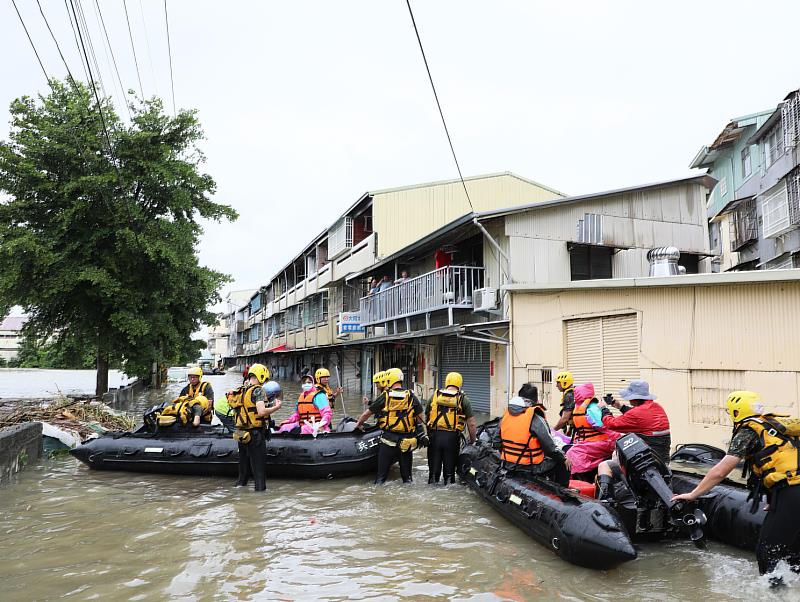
{"x":277,"y":349}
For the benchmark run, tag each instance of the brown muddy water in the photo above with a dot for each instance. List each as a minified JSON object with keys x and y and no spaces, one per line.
{"x":67,"y":532}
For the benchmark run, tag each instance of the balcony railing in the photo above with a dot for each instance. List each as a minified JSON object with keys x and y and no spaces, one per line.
{"x":449,"y":287}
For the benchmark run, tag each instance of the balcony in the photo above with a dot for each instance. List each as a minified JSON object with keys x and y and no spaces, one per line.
{"x":446,"y":288}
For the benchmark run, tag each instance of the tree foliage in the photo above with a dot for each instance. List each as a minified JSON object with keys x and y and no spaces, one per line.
{"x":99,"y":247}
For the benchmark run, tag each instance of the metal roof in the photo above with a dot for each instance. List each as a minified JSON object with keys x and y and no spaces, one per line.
{"x":468,"y":179}
{"x":767,"y":125}
{"x":709,"y":279}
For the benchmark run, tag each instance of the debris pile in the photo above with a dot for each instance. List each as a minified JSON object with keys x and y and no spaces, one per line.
{"x":85,"y":416}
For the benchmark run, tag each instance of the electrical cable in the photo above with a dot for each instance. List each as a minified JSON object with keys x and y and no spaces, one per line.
{"x":52,"y":35}
{"x":113,"y":58}
{"x":438,"y":104}
{"x":149,"y":53}
{"x":169,"y":50}
{"x":133,"y":48}
{"x":82,"y":17}
{"x":36,"y":52}
{"x":75,"y":36}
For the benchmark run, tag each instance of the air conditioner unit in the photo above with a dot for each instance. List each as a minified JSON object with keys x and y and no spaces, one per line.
{"x":484,"y":299}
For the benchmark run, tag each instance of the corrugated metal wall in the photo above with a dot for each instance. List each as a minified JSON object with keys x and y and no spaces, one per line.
{"x":404,"y":216}
{"x":471,"y":359}
{"x":696,"y":344}
{"x":640,"y":220}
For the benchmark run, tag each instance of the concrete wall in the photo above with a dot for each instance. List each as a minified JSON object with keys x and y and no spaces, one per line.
{"x":19,"y":445}
{"x":696,"y":344}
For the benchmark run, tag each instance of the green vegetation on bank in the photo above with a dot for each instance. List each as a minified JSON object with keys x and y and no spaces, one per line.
{"x":99,"y":235}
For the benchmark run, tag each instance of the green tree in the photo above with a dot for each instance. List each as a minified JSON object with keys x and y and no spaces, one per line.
{"x":99,"y":246}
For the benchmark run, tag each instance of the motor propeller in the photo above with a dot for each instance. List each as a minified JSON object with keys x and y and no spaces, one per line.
{"x":695,"y":521}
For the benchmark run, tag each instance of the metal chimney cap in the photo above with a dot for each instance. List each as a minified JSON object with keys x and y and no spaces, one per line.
{"x":662,"y":253}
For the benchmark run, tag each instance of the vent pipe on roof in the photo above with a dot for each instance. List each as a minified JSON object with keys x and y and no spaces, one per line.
{"x":664,"y":261}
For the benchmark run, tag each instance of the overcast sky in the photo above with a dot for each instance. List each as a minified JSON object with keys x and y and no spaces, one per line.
{"x":307,"y":105}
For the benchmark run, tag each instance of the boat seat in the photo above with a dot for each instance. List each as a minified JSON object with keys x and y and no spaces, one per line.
{"x":583,"y":487}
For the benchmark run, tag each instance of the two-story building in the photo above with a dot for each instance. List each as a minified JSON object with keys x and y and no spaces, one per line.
{"x":302,"y":317}
{"x":218,"y":336}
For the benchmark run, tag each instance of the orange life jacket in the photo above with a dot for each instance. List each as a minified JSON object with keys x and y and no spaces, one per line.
{"x":519,"y":446}
{"x":583,"y":430}
{"x":306,"y":410}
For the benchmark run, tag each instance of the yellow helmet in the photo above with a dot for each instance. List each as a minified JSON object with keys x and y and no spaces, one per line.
{"x":321,"y":373}
{"x":743,"y":404}
{"x":378,"y":377}
{"x":260,"y":371}
{"x":195,"y":371}
{"x":394,"y":375}
{"x":564,"y":379}
{"x":453,"y":379}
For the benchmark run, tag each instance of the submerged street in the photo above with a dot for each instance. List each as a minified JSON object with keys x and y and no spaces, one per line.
{"x":73,"y":532}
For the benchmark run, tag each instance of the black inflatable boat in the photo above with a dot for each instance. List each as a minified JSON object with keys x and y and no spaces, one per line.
{"x":598,"y":535}
{"x":210,"y":450}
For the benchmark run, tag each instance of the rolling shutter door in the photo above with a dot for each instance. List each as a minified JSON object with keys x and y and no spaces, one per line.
{"x":620,"y":352}
{"x":585,"y":351}
{"x":471,"y":359}
{"x":603,"y":351}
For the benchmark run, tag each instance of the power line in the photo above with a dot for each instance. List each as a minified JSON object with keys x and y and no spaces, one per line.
{"x":113,"y":58}
{"x":52,"y":35}
{"x":105,"y":127}
{"x":147,"y":43}
{"x":75,"y":36}
{"x":133,"y":48}
{"x":169,"y":49}
{"x":438,"y":104}
{"x":92,"y":53}
{"x":36,"y":52}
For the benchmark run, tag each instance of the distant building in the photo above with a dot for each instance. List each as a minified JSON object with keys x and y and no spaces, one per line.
{"x":754,"y":210}
{"x":11,"y":336}
{"x":218,"y":340}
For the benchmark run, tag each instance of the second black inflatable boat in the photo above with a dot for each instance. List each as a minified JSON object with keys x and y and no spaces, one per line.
{"x":210,"y":450}
{"x":598,"y":535}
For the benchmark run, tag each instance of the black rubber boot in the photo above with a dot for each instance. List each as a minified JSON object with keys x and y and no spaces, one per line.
{"x":605,"y":490}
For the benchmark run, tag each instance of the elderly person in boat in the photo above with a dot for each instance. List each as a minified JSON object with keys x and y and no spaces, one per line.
{"x":313,"y":412}
{"x":592,"y":441}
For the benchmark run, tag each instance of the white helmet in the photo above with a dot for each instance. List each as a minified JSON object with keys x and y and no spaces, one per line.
{"x":518,"y":402}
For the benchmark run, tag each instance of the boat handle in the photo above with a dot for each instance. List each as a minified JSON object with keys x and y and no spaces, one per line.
{"x":529,"y":513}
{"x":222,"y":454}
{"x":500,"y":499}
{"x":273,"y":452}
{"x":329,"y":454}
{"x":174,"y":453}
{"x":130,"y":452}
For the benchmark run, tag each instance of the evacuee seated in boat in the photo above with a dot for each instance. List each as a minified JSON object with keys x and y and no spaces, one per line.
{"x":644,"y":417}
{"x":312,"y":409}
{"x":592,"y":441}
{"x":197,"y":386}
{"x":525,"y":443}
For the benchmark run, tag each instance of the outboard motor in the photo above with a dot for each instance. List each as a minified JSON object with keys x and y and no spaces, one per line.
{"x":648,"y":479}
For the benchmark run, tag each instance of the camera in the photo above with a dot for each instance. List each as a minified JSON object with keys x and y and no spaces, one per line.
{"x":608,"y":398}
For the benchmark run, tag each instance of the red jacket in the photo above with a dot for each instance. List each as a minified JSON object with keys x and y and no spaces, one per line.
{"x":649,"y":419}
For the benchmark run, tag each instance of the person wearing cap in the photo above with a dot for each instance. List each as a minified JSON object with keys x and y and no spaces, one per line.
{"x":767,"y":444}
{"x":643,"y":417}
{"x":448,"y":413}
{"x":525,"y":443}
{"x":198,"y":388}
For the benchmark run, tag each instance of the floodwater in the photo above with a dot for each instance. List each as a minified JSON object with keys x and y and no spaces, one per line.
{"x":35,"y":382}
{"x":68,"y":532}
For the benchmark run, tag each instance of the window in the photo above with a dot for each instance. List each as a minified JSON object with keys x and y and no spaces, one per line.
{"x":793,"y":195}
{"x":773,"y":147}
{"x":588,"y":262}
{"x":747,"y":167}
{"x":340,"y":237}
{"x":744,"y":224}
{"x":775,"y":210}
{"x":723,"y":186}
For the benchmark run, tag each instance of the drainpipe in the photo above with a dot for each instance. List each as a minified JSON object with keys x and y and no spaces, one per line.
{"x":506,"y":305}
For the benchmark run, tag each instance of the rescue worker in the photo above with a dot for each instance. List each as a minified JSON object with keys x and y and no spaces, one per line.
{"x":593,"y":443}
{"x":197,"y":386}
{"x":525,"y":442}
{"x":400,"y":415}
{"x":447,"y":413}
{"x":768,"y":444}
{"x":312,"y":409}
{"x":249,"y":404}
{"x":322,"y":379}
{"x":644,"y":417}
{"x":565,"y":383}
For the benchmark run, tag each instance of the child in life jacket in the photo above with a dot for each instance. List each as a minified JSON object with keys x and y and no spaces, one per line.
{"x":313,"y":409}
